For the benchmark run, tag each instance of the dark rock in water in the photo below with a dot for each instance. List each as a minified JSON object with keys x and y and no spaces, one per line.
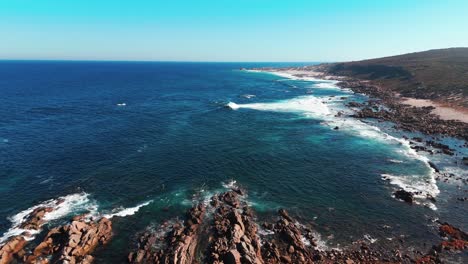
{"x":284,"y":214}
{"x":418,"y":148}
{"x":430,"y":198}
{"x":465,"y":160}
{"x":433,"y":166}
{"x":354,"y":104}
{"x":404,"y":196}
{"x":336,"y":128}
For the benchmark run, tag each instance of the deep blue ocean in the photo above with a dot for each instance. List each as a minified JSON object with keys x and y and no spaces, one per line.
{"x":143,"y":141}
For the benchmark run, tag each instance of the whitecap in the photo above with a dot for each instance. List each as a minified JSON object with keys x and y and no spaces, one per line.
{"x":122,"y":212}
{"x":233,"y":106}
{"x":230,"y":184}
{"x":370,"y":239}
{"x":326,"y":85}
{"x":308,"y":105}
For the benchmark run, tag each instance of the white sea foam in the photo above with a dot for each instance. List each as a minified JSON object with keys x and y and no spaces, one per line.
{"x":121,"y":104}
{"x":421,"y":187}
{"x":308,"y":105}
{"x":326,"y":85}
{"x":63,"y":206}
{"x":122,"y":212}
{"x":299,"y":78}
{"x":414,"y":183}
{"x":315,"y":107}
{"x":370,"y":239}
{"x":233,"y":106}
{"x":230,"y":184}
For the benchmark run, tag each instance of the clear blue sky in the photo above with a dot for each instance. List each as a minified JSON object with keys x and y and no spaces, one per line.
{"x":222,"y":30}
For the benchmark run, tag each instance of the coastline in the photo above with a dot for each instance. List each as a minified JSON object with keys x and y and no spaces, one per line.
{"x":156,"y":229}
{"x":223,"y":230}
{"x":443,"y":111}
{"x":435,"y":118}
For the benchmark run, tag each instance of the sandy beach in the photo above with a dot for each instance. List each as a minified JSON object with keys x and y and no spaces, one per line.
{"x":444,"y":112}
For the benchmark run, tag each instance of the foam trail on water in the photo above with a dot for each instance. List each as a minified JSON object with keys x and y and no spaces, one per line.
{"x":122,"y":212}
{"x":62,"y":207}
{"x":309,"y":105}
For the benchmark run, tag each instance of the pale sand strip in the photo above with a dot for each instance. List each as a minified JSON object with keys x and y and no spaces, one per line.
{"x":444,"y":112}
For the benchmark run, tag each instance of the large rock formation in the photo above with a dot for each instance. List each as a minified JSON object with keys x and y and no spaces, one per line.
{"x":178,"y":245}
{"x":13,"y":248}
{"x":234,"y":236}
{"x":229,"y":235}
{"x":72,"y":243}
{"x":456,"y":241}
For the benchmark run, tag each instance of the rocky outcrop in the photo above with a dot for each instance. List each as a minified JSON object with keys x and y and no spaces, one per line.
{"x":35,"y":219}
{"x":13,"y":248}
{"x":72,"y":243}
{"x":177,"y":245}
{"x":456,"y":241}
{"x":288,"y":245}
{"x":234,"y":233}
{"x":229,"y":235}
{"x":404,"y":196}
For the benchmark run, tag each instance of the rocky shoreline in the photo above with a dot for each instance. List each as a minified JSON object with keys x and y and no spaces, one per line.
{"x":225,"y":231}
{"x":70,"y":243}
{"x":232,"y":237}
{"x":384,"y":104}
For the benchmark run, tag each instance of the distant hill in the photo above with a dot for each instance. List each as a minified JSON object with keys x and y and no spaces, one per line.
{"x":441,"y":75}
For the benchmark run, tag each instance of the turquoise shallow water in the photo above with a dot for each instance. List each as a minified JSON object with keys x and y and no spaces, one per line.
{"x":118,"y":135}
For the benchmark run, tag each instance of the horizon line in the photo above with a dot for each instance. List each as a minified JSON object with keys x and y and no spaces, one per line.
{"x":172,"y":61}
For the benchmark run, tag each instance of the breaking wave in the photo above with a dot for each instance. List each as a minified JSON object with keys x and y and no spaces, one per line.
{"x":122,"y":212}
{"x":62,"y":207}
